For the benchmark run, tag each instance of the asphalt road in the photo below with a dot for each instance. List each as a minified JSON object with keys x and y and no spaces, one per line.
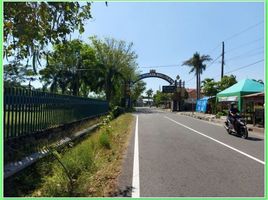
{"x":179,"y":156}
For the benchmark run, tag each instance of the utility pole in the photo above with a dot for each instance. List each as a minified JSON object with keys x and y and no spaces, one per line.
{"x":222,"y":61}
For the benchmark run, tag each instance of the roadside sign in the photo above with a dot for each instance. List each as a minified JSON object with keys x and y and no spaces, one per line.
{"x":168,"y":88}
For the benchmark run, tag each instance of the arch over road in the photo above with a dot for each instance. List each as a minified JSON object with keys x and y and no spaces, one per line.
{"x":154,"y":74}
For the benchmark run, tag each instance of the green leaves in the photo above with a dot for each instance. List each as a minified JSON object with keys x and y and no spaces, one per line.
{"x":197,"y":62}
{"x":149,"y":93}
{"x":117,"y":64}
{"x":211,"y":87}
{"x":226,"y":82}
{"x":30,"y":26}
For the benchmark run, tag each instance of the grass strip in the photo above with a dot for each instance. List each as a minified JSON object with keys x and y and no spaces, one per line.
{"x":88,"y":169}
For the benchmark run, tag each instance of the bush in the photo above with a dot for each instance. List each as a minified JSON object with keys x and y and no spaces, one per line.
{"x":76,"y":161}
{"x":219,"y":114}
{"x":104,"y":140}
{"x":117,"y":111}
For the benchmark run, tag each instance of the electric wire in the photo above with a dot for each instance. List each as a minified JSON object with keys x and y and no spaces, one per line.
{"x":243,"y":31}
{"x":244,"y":44}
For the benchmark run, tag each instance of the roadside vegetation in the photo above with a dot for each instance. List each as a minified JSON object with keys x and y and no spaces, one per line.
{"x":19,"y":148}
{"x":88,"y":168}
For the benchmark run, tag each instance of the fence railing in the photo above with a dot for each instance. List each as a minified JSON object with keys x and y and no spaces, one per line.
{"x":27,"y":111}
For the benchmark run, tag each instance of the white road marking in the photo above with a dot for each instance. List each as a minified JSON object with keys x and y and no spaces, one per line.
{"x":201,"y":120}
{"x":258,"y":135}
{"x":226,"y":145}
{"x":136,"y":170}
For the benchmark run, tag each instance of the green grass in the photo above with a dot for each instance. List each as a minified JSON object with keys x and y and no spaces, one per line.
{"x":104,"y":140}
{"x":90,"y":167}
{"x":16,"y":150}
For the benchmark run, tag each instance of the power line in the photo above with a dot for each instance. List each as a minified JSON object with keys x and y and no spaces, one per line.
{"x":243,"y":31}
{"x":213,"y":61}
{"x":214,"y":48}
{"x":245,"y":66}
{"x":237,"y":34}
{"x":245,"y":44}
{"x":243,"y":55}
{"x":248,"y":52}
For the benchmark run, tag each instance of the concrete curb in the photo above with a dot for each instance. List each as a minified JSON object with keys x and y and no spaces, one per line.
{"x":259,"y":131}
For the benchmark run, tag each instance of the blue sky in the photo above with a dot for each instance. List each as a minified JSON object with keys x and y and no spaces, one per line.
{"x":169,"y":33}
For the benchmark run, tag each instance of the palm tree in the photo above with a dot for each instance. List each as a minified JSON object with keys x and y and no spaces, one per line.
{"x":197,"y":65}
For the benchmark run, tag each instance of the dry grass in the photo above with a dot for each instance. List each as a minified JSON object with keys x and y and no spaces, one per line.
{"x":17,"y":149}
{"x":97,"y":178}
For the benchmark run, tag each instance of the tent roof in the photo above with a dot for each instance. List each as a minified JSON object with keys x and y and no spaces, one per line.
{"x":245,"y":85}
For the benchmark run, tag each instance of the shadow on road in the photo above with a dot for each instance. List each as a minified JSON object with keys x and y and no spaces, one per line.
{"x":249,"y":138}
{"x":147,"y":110}
{"x":124,"y":193}
{"x":254,"y":139}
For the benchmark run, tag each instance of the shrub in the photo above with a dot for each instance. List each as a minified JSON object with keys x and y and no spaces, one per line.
{"x":219,"y":114}
{"x":104,"y":140}
{"x":117,"y":110}
{"x":76,"y":161}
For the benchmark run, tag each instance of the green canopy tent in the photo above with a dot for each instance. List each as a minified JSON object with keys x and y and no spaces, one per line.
{"x":236,"y":91}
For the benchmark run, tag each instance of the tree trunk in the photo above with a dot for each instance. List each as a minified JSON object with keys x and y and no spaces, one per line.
{"x":197,"y":84}
{"x":199,"y":81}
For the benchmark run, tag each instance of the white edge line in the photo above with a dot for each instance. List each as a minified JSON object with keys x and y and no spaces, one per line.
{"x":226,"y":145}
{"x":136,"y":170}
{"x":261,"y":136}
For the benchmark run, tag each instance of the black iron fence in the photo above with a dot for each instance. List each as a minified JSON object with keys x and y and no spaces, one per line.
{"x":27,"y":111}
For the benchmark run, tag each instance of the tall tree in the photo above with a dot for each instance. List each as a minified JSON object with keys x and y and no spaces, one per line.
{"x":137,"y":89}
{"x":29,"y":27}
{"x":226,"y":81}
{"x":197,"y":64}
{"x":209,"y":87}
{"x":70,"y":66}
{"x":116,"y":62}
{"x":161,"y":98}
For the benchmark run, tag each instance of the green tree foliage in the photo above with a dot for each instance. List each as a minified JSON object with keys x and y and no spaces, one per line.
{"x":209,"y":87}
{"x":226,"y":81}
{"x":137,"y":89}
{"x":116,"y":62}
{"x":149,"y":93}
{"x":197,"y":64}
{"x":161,"y":98}
{"x":29,"y":27}
{"x":78,"y":68}
{"x":70,"y":68}
{"x":15,"y":76}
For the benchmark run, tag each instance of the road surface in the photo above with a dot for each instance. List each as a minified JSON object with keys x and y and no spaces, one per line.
{"x":171,"y":155}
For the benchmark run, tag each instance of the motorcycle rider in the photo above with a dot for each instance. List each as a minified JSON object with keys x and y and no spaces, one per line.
{"x":233,"y":115}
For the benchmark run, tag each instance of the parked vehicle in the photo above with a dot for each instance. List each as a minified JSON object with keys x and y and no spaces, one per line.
{"x":240,"y":128}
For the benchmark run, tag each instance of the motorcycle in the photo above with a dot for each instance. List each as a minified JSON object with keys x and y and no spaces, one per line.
{"x":241,"y":128}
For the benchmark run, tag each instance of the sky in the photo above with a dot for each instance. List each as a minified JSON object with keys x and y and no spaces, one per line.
{"x":166,"y":34}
